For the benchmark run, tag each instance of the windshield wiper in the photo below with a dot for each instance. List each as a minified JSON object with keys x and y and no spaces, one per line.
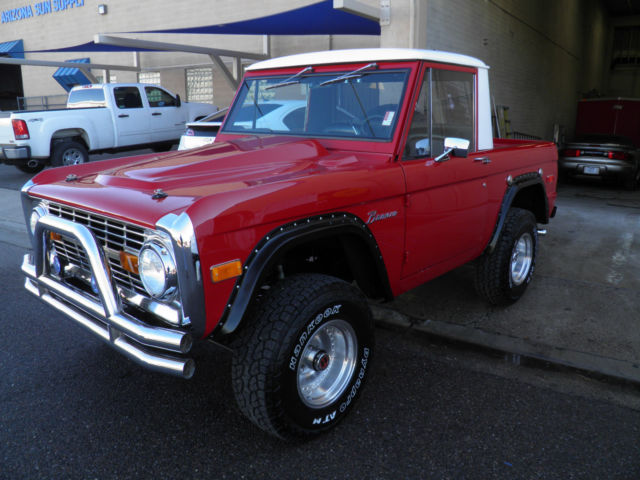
{"x":350,"y":75}
{"x":291,"y":80}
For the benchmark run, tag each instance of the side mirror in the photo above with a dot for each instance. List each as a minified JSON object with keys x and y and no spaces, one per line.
{"x":178,"y":101}
{"x":458,"y":147}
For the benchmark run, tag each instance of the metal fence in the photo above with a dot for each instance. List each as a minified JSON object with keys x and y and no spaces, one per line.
{"x":45,"y":102}
{"x":522,"y":136}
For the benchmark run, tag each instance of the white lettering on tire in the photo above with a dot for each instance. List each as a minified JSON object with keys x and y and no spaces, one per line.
{"x":358,"y":383}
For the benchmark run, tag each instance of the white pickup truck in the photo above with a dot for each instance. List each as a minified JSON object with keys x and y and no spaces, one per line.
{"x":99,"y":117}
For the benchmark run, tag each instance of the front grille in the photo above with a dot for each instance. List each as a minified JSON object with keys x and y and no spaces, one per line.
{"x":114,"y":236}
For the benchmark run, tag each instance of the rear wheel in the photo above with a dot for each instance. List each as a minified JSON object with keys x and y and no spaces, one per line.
{"x":69,"y":152}
{"x":502,"y":276}
{"x":303,"y":360}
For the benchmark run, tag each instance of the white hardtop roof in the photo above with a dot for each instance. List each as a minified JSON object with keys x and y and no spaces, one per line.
{"x":359,"y":55}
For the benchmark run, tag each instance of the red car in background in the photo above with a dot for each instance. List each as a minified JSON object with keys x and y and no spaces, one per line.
{"x":606,"y":142}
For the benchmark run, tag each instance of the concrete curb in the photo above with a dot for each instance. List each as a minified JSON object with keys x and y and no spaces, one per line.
{"x":517,"y":347}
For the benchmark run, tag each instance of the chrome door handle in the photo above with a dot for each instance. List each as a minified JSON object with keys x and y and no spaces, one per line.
{"x":484,"y":160}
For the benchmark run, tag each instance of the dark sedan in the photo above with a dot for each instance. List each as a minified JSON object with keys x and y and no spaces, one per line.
{"x":604,"y":156}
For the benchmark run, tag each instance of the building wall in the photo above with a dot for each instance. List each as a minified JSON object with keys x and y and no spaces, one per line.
{"x":543,"y":55}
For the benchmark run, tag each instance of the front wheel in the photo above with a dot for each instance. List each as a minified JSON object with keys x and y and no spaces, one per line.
{"x":502,"y":275}
{"x":69,"y":152}
{"x":303,"y":360}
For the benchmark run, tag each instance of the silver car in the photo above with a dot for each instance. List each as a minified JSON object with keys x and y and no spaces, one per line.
{"x":202,"y":132}
{"x":604,"y":156}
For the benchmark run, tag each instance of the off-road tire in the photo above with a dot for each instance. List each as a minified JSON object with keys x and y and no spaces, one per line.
{"x":69,"y":152}
{"x":502,"y":275}
{"x":273,"y":364}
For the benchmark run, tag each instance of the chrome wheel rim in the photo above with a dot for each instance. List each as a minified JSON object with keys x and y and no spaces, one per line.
{"x":327,"y":364}
{"x":72,"y":156}
{"x":521,"y":259}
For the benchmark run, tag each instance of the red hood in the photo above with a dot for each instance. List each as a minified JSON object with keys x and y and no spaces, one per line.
{"x":228,"y":175}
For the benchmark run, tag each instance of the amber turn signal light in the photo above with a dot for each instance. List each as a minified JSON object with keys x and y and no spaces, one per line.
{"x":129,"y":262}
{"x":226,"y":270}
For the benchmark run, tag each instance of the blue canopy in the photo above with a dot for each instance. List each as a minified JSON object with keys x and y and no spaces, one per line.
{"x":12,"y":49}
{"x":315,"y":19}
{"x":69,"y":77}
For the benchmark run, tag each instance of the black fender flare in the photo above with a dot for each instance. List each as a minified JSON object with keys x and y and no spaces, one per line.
{"x":266,"y":253}
{"x":516,"y":185}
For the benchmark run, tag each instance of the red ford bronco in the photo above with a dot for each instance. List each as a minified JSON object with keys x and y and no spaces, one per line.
{"x":337,"y":177}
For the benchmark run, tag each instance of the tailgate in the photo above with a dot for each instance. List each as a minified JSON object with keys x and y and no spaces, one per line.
{"x":6,"y":130}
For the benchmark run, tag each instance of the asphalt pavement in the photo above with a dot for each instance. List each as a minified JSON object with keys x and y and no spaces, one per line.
{"x":441,"y":403}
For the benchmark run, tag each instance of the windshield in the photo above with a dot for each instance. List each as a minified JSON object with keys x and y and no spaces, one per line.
{"x":363,"y":106}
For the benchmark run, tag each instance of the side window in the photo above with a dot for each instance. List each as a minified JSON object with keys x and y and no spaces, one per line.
{"x":453,"y":107}
{"x":419,"y":139}
{"x":86,"y":98}
{"x":159,"y":98}
{"x":127,"y":97}
{"x":445,"y":108}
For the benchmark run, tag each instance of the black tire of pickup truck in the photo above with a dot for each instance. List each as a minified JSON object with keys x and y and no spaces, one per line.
{"x":69,"y":152}
{"x":302,"y":361}
{"x":502,"y":275}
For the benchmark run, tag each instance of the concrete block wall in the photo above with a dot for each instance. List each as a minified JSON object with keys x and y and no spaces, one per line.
{"x":542,"y":54}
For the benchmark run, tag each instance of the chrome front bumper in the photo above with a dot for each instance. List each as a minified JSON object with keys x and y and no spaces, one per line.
{"x":148,"y":345}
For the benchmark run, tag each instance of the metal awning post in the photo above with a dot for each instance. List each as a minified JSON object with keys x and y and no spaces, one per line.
{"x":232,"y":77}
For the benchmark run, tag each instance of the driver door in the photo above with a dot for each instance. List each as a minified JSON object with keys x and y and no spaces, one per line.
{"x":446,"y":200}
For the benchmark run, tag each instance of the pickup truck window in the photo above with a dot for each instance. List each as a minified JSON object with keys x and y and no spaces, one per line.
{"x":445,"y":108}
{"x":159,"y":98}
{"x":364,"y":106}
{"x":86,"y":98}
{"x":127,"y":97}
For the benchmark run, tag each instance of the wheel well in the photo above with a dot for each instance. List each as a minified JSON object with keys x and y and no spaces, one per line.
{"x":76,"y":135}
{"x":347,"y":257}
{"x":533,"y":198}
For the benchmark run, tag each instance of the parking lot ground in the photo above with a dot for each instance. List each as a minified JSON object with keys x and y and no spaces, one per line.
{"x":582,"y":307}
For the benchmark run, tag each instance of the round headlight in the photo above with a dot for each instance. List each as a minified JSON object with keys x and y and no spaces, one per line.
{"x":36,"y":213}
{"x":157,"y":270}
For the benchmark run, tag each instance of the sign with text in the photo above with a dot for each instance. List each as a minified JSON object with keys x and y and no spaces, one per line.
{"x":38,"y":9}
